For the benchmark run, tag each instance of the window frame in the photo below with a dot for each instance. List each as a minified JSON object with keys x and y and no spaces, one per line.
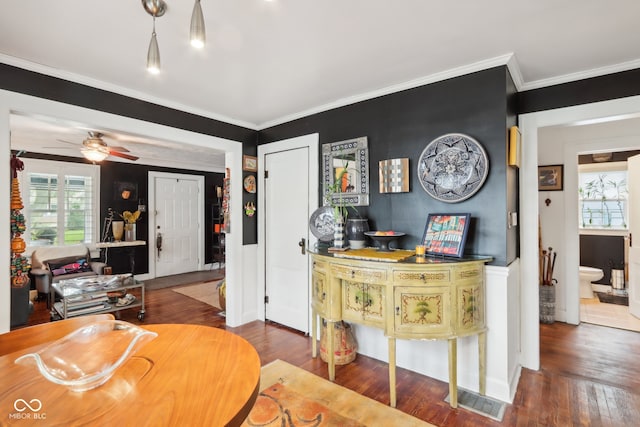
{"x":603,"y":169}
{"x":61,"y":169}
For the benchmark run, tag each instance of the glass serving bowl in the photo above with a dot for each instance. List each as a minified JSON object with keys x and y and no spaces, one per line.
{"x":87,"y":357}
{"x":383,"y":240}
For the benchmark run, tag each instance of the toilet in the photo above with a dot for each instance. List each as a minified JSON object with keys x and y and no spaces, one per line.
{"x":588,"y":275}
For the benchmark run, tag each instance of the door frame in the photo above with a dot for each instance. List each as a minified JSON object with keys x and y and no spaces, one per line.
{"x":13,"y":102}
{"x":529,"y":124}
{"x":310,"y":141}
{"x":151,"y":209}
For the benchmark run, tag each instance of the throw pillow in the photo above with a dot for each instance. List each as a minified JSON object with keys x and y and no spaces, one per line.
{"x":59,"y":268}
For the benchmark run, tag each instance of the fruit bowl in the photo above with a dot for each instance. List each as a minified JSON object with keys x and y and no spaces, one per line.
{"x":383,"y":238}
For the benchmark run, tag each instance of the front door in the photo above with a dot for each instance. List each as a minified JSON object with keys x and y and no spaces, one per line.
{"x":633,"y":183}
{"x":177,"y":225}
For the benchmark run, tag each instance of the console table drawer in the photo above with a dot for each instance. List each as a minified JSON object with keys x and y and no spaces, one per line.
{"x":421,"y":278}
{"x":319,"y":266}
{"x":358,"y":274}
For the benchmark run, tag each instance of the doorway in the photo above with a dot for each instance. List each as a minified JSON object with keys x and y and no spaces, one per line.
{"x":175,"y":226}
{"x":532,"y":125}
{"x":291,"y":192}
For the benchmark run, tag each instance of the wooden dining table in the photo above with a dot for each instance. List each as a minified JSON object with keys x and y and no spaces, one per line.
{"x":188,"y":375}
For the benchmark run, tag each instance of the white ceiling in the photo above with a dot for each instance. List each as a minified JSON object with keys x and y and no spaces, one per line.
{"x":267,"y":62}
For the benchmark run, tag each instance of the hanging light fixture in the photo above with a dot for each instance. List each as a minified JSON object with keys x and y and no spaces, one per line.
{"x":93,"y":154}
{"x":198,"y":36}
{"x":155,"y":8}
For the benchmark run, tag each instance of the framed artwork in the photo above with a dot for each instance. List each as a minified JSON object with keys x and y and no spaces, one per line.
{"x":446,"y":234}
{"x":249,"y":163}
{"x":550,"y":178}
{"x":125,"y":190}
{"x":515,"y":141}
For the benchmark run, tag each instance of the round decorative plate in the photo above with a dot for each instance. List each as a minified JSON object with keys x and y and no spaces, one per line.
{"x":453,"y":167}
{"x":322,"y":223}
{"x":250,"y":184}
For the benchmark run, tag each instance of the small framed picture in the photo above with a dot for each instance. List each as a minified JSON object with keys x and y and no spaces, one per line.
{"x":446,"y":234}
{"x":249,"y":163}
{"x":550,"y":178}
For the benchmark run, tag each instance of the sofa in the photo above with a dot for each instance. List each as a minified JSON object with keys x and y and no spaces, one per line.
{"x":50,"y":264}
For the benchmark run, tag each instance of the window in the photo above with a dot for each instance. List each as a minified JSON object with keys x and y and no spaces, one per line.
{"x":603,"y":196}
{"x":61,"y":206}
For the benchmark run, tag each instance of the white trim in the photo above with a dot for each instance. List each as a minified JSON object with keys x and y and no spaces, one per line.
{"x":530,"y":125}
{"x":312,"y":143}
{"x":151,"y":208}
{"x":12,"y":102}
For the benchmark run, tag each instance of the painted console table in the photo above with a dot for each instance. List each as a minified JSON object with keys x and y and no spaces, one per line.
{"x":417,"y":298}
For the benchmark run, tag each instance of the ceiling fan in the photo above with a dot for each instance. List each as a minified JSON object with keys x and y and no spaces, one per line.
{"x":95,"y":149}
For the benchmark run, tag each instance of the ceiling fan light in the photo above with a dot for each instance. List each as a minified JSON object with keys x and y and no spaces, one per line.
{"x":94,"y":155}
{"x":198,"y":35}
{"x":153,"y":55}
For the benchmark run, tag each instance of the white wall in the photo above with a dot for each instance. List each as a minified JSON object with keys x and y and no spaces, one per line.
{"x":11,"y":102}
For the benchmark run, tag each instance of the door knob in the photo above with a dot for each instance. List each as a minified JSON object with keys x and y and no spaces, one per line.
{"x":303,"y":245}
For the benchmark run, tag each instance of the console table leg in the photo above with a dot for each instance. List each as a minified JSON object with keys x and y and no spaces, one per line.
{"x":482,"y":361}
{"x":314,"y":328}
{"x":392,"y":372}
{"x":453,"y":372}
{"x":330,"y":356}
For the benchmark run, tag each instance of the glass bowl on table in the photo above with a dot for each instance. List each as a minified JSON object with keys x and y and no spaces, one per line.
{"x":89,"y":356}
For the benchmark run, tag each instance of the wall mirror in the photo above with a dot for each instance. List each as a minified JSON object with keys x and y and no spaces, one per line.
{"x":353,"y":155}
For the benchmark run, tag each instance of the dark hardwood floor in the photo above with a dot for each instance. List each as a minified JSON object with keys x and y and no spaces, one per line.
{"x":590,"y":375}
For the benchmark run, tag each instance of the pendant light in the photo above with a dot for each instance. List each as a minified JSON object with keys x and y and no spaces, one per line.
{"x":155,"y":8}
{"x":153,"y":55}
{"x":198,"y":36}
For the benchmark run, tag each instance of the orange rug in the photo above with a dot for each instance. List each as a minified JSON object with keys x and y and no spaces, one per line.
{"x":291,"y":396}
{"x":278,"y":406}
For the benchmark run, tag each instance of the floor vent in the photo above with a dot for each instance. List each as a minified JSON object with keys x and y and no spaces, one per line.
{"x":482,"y":405}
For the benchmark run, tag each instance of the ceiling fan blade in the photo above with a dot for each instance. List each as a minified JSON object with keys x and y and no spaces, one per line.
{"x":67,"y":142}
{"x":123,"y":155}
{"x":120,"y":149}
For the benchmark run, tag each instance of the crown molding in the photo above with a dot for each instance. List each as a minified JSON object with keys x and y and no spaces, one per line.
{"x":99,"y":84}
{"x":421,"y":81}
{"x":581,"y":75}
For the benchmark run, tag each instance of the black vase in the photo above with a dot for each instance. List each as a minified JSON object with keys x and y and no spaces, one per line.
{"x":355,"y":229}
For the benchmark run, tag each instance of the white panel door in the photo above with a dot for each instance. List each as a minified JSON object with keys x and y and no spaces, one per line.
{"x":633,"y":183}
{"x":176,"y":201}
{"x":286,"y":223}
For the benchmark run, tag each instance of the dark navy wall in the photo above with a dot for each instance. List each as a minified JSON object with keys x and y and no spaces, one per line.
{"x":399,"y":125}
{"x":601,"y":252}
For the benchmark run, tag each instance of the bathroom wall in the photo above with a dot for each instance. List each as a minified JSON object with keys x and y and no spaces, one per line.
{"x":598,"y":251}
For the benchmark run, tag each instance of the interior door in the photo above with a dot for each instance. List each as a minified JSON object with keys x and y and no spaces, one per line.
{"x":633,"y":184}
{"x":176,"y":204}
{"x":286,"y":224}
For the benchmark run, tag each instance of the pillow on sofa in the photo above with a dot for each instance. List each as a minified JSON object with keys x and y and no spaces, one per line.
{"x":59,"y":267}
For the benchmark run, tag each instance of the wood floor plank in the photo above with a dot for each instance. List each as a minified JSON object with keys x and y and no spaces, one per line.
{"x":590,"y":375}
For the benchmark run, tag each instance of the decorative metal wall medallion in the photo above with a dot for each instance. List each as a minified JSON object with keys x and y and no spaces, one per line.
{"x":453,"y":167}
